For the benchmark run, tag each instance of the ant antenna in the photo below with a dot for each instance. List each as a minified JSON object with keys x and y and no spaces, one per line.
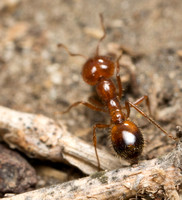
{"x":69,"y":52}
{"x":104,"y":33}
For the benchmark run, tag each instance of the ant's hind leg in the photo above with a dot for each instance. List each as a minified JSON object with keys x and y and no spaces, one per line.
{"x":141,"y":99}
{"x":151,"y":120}
{"x":137,"y":102}
{"x":127,"y":107}
{"x":89,"y":105}
{"x":95,"y":140}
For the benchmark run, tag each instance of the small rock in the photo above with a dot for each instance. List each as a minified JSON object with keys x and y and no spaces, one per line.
{"x":16,"y":175}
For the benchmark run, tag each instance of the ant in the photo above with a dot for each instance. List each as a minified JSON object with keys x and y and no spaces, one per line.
{"x":126,"y":138}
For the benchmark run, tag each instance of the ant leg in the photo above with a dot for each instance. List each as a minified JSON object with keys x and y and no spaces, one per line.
{"x":93,"y":99}
{"x":118,"y":76}
{"x":89,"y":105}
{"x":132,"y":73}
{"x":151,"y":120}
{"x":104,"y":33}
{"x":139,"y":101}
{"x":95,"y":139}
{"x":70,"y":53}
{"x":127,"y":107}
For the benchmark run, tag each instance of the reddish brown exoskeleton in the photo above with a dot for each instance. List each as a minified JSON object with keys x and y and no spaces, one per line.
{"x":126,"y":138}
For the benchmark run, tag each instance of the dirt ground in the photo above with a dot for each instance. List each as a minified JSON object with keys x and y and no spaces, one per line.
{"x":37,"y":77}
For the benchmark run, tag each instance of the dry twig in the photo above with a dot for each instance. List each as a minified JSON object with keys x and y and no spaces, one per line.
{"x":158,"y":178}
{"x":41,"y":137}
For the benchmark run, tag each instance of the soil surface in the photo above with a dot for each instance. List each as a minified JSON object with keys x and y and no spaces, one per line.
{"x":38,"y":77}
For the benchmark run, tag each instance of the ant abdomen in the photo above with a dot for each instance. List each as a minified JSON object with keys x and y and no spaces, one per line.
{"x":127,"y":140}
{"x":97,"y":67}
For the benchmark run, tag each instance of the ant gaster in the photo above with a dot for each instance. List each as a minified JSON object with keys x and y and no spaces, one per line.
{"x":126,"y":138}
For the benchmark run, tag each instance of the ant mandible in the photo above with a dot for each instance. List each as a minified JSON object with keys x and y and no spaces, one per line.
{"x":126,"y":138}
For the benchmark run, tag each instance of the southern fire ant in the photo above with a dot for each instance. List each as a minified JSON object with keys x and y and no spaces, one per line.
{"x":126,"y":138}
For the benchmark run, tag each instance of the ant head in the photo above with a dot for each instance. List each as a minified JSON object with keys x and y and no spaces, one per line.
{"x":97,"y":67}
{"x":127,"y":140}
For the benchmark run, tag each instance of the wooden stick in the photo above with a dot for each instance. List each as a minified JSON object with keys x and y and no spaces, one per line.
{"x":156,"y":178}
{"x":41,"y":137}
